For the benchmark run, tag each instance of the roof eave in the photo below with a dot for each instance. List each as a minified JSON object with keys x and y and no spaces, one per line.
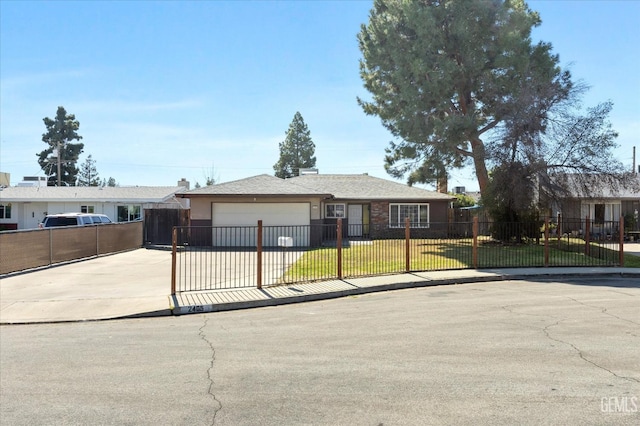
{"x":209,"y":195}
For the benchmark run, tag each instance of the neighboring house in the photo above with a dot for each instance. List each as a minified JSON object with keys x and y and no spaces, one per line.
{"x":601,"y":203}
{"x":368,"y":206}
{"x":24,"y":207}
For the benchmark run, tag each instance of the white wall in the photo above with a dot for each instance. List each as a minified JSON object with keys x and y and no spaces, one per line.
{"x":31,"y":215}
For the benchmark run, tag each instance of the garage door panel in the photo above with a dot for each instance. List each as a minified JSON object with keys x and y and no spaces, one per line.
{"x":299,"y":234}
{"x":278,"y":219}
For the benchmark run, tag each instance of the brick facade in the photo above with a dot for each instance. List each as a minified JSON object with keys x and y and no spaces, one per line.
{"x":380,"y":222}
{"x":380,"y":214}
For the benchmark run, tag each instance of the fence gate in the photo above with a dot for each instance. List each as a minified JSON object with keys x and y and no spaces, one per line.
{"x":216,"y":258}
{"x":158,"y":224}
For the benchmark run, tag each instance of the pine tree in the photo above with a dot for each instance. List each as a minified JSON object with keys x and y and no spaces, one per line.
{"x":60,"y":158}
{"x":296,"y":151}
{"x":446,"y":76}
{"x":110,"y":182}
{"x":88,"y":175}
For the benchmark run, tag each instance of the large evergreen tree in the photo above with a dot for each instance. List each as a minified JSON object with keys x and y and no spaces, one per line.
{"x":445,"y":75}
{"x":109,"y":182}
{"x":296,"y":151}
{"x":88,"y":175}
{"x":59,"y":160}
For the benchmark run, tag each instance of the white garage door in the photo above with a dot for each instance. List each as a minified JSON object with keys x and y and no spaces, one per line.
{"x":235,"y":223}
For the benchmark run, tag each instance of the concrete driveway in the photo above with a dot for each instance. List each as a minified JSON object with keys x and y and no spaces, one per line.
{"x":227,"y":269}
{"x":631,"y":248}
{"x":105,"y":287}
{"x":136,"y":282}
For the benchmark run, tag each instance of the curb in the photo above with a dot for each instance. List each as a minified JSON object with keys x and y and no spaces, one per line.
{"x":229,"y":306}
{"x":173,"y":308}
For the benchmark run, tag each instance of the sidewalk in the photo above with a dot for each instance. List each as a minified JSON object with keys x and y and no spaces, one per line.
{"x":137,"y":284}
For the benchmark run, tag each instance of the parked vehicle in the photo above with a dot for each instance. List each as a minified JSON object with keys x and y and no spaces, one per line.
{"x":74,"y":219}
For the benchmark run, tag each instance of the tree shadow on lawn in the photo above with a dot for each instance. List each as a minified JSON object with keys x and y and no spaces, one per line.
{"x":445,"y":255}
{"x":389,"y":257}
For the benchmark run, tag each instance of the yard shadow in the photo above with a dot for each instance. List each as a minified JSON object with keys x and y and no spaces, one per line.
{"x":461,"y":255}
{"x":498,"y":255}
{"x":614,"y":280}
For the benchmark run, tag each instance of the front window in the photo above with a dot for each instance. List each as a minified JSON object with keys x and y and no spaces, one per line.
{"x":418,"y":215}
{"x":599,"y":213}
{"x":5,"y":211}
{"x":129,"y":213}
{"x":87,"y":209}
{"x":602,"y":212}
{"x":334,"y":210}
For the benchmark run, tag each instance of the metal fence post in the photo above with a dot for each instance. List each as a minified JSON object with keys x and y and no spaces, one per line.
{"x":174,"y":246}
{"x":621,"y":239}
{"x":559,"y":230}
{"x":407,"y":246}
{"x":259,"y":254}
{"x":475,"y":242}
{"x":546,"y":241}
{"x":587,"y":236}
{"x":50,"y":246}
{"x":339,"y":247}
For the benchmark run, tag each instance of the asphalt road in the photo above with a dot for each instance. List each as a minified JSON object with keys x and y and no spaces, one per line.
{"x":510,"y":352}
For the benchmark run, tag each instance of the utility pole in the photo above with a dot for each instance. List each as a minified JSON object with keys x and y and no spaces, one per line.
{"x":59,"y":162}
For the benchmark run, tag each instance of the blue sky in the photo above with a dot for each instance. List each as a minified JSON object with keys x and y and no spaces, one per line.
{"x":168,"y":90}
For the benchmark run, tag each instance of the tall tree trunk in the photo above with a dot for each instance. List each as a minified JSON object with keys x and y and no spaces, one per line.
{"x":477,"y":149}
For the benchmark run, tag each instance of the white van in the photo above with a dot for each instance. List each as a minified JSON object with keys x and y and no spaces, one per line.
{"x":74,"y":219}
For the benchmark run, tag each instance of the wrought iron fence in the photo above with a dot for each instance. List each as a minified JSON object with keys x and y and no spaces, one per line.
{"x":210,"y":258}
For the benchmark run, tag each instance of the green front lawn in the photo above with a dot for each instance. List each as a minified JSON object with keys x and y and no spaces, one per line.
{"x":365,"y":258}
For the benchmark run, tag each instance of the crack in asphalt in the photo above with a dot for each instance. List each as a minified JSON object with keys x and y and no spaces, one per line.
{"x":210,"y":370}
{"x":602,"y":310}
{"x":510,"y":309}
{"x":581,"y":354}
{"x":545,"y":330}
{"x":622,"y":292}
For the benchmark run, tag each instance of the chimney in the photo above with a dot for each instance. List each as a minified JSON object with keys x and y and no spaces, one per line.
{"x":442,"y":184}
{"x":184,"y":183}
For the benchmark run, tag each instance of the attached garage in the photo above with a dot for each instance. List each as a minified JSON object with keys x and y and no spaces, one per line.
{"x":235,"y":224}
{"x":300,"y":207}
{"x":248,"y":214}
{"x":233,"y":210}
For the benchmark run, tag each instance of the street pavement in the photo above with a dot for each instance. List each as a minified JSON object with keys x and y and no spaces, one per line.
{"x":538,"y":351}
{"x":138,"y":284}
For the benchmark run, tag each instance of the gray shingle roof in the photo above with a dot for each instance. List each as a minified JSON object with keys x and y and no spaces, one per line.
{"x":261,"y":185}
{"x":598,"y":187}
{"x":365,"y":187}
{"x":133,"y":194}
{"x":353,"y":187}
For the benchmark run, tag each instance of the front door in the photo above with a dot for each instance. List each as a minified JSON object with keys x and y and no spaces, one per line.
{"x":354,"y":215}
{"x":34,"y":214}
